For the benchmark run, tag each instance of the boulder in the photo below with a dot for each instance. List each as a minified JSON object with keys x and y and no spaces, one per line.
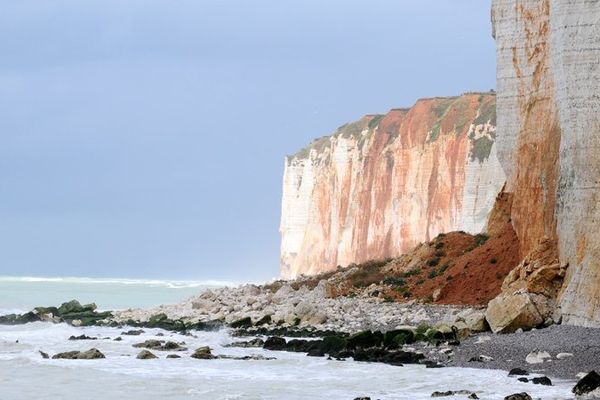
{"x":145,"y":355}
{"x":542,"y":380}
{"x":245,"y":322}
{"x":509,"y":312}
{"x":150,"y":344}
{"x":274,"y":343}
{"x":173,"y":356}
{"x":285,"y":293}
{"x":517,"y":372}
{"x":589,"y":385}
{"x":203,"y":353}
{"x":79,"y":355}
{"x":537,"y":357}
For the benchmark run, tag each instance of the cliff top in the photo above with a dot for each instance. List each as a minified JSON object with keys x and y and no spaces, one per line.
{"x":442,"y":114}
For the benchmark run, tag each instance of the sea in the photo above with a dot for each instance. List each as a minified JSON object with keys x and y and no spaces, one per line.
{"x":24,"y":374}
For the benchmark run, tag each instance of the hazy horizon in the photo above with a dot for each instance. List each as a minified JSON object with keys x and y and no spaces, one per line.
{"x":147,"y":139}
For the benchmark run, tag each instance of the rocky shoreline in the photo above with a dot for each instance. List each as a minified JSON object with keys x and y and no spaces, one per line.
{"x":364,"y":328}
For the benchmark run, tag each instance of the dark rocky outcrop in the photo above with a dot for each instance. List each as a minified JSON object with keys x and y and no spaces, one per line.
{"x":71,"y":312}
{"x":587,"y":384}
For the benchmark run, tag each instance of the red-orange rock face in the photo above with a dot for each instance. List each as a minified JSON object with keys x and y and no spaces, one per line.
{"x":379,"y":186}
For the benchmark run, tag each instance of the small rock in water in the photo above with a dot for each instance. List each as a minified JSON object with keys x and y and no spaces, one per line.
{"x":473,"y":396}
{"x":517,"y":371}
{"x":173,"y":356}
{"x":145,"y":355}
{"x":134,"y":332}
{"x":118,"y":339}
{"x":542,"y":380}
{"x":454,"y":393}
{"x":518,"y":396}
{"x":82,"y":337}
{"x":362,"y":398}
{"x":203,"y":353}
{"x":44,"y":355}
{"x":587,"y":384}
{"x":524,"y":380}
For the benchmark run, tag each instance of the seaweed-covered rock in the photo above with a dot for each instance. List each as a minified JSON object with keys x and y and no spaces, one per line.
{"x":242,"y":323}
{"x":275,"y":343}
{"x":365,"y":339}
{"x":79,"y":355}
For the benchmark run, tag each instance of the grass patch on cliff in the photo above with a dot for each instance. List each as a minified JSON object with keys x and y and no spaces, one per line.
{"x":481,"y":149}
{"x":374,"y":123}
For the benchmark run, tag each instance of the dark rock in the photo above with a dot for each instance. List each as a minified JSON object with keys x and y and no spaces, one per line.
{"x":70,"y":307}
{"x":242,"y":323}
{"x":362,"y":398}
{"x":79,"y":355}
{"x":517,"y":371}
{"x":172,"y":346}
{"x":542,"y":380}
{"x":145,"y":355}
{"x":473,"y":396}
{"x":334,"y":344}
{"x":398,"y":337}
{"x":173,"y":356}
{"x":518,"y":396}
{"x":263,"y":321}
{"x":365,"y":339}
{"x":258,"y":342}
{"x":203,"y":353}
{"x":587,"y":384}
{"x":524,"y":380}
{"x":133,"y":332}
{"x":118,"y":339}
{"x":160,"y":334}
{"x":442,"y":394}
{"x":274,"y":343}
{"x":82,"y":337}
{"x":149,"y":344}
{"x":44,"y":355}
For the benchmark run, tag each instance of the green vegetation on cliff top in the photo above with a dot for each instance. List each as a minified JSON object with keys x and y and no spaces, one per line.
{"x":441,"y":108}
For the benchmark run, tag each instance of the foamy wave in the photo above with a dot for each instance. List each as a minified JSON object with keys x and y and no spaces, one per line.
{"x":173,"y":284}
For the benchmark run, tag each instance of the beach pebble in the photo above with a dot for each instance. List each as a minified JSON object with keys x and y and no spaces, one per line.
{"x":537,"y":357}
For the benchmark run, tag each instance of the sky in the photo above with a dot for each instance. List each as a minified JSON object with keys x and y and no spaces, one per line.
{"x":146,"y":138}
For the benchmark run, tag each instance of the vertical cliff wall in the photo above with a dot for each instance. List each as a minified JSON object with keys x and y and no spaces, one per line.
{"x":378,"y":186}
{"x":549,"y":115}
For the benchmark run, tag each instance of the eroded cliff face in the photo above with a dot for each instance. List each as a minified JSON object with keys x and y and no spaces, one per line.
{"x":378,"y":186}
{"x":548,"y":112}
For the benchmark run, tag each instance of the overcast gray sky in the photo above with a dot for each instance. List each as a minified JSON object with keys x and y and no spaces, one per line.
{"x":146,"y":138}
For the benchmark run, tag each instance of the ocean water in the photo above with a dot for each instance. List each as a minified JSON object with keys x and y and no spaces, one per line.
{"x":20,"y":294}
{"x":24,"y":374}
